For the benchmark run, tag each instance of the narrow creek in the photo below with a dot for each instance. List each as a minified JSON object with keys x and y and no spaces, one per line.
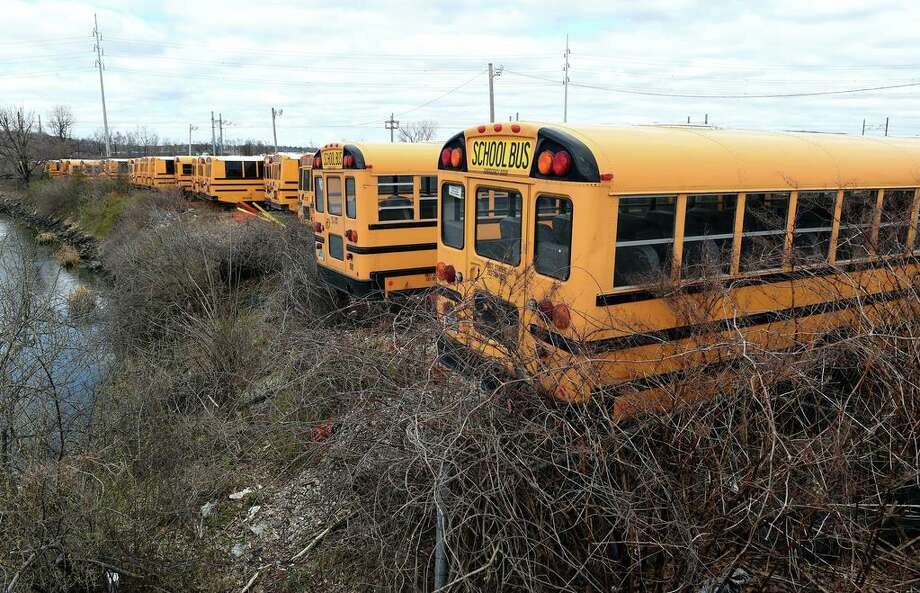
{"x":51,"y":359}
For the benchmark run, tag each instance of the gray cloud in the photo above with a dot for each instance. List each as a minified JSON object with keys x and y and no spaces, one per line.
{"x":339,"y":72}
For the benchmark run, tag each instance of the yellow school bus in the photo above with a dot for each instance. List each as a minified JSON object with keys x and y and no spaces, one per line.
{"x":54,"y":168}
{"x":88,"y":167}
{"x":612,"y":262}
{"x":161,"y":172}
{"x":117,"y":168}
{"x":199,"y":177}
{"x":185,"y":172}
{"x":305,"y":187}
{"x":281,"y":171}
{"x":141,"y":176}
{"x":66,"y":167}
{"x":375,"y":216}
{"x":233,"y":179}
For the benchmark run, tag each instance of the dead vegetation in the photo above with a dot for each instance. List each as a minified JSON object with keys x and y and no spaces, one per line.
{"x":234,"y":369}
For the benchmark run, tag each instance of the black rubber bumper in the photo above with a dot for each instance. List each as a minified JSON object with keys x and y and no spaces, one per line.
{"x":351,"y":286}
{"x":465,"y":361}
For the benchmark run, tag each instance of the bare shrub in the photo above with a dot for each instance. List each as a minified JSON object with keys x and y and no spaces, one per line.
{"x":802,"y":470}
{"x":59,"y":197}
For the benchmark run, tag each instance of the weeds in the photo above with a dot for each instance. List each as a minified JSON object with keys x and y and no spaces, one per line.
{"x":234,"y":367}
{"x":68,"y":257}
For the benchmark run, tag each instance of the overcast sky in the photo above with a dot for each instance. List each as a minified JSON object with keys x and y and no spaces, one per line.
{"x":338,"y":69}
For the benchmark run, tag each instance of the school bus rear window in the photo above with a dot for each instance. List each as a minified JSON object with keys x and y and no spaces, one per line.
{"x":553,"y":236}
{"x":453,"y":215}
{"x":498,"y":224}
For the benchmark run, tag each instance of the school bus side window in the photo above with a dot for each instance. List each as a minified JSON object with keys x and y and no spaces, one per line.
{"x":763,"y":235}
{"x":453,"y":215}
{"x":253,"y":170}
{"x":814,"y":222}
{"x":234,"y":169}
{"x":318,"y":194}
{"x":553,"y":236}
{"x":709,"y":230}
{"x":428,"y":198}
{"x":334,"y":195}
{"x":645,"y":239}
{"x":170,"y":167}
{"x":498,"y":224}
{"x":350,"y":204}
{"x":897,"y":207}
{"x":856,"y":217}
{"x":305,"y":180}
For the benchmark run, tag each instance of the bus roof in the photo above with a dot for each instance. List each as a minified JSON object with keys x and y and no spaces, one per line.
{"x":648,"y":159}
{"x":236,"y":158}
{"x":393,"y":158}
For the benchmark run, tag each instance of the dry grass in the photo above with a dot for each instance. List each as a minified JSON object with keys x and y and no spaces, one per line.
{"x":68,"y":257}
{"x":81,"y":302}
{"x":232,"y":367}
{"x":46,"y":238}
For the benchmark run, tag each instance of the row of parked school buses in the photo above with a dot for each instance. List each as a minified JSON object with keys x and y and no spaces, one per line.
{"x":606,"y":262}
{"x":272,"y":179}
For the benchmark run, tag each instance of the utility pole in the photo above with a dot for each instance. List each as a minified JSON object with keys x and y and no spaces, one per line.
{"x":276,"y":113}
{"x":392,"y":125}
{"x":492,"y":75}
{"x":886,"y":126}
{"x":220,"y":123}
{"x":190,"y":128}
{"x":565,"y":82}
{"x":213,"y":137}
{"x":864,"y":127}
{"x":39,"y":124}
{"x":105,"y":116}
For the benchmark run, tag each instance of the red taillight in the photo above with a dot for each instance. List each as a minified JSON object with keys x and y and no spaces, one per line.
{"x":445,"y":157}
{"x":348,"y":161}
{"x":351,"y":235}
{"x":456,"y":157}
{"x":445,"y":272}
{"x":481,"y":129}
{"x":317,"y":227}
{"x":545,"y":309}
{"x":561,"y":317}
{"x":545,"y":162}
{"x":515,"y":128}
{"x":497,"y":127}
{"x":562,"y":162}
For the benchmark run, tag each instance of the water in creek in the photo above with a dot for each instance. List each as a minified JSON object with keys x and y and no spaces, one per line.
{"x":51,"y":360}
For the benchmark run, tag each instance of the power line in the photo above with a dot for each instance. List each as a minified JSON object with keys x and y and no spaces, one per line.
{"x":728,"y":96}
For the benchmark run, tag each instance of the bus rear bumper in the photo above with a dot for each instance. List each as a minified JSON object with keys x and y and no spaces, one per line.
{"x":460,"y":358}
{"x":346,"y":284}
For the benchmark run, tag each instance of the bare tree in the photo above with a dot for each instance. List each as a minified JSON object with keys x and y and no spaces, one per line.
{"x":61,"y":122}
{"x":19,"y":145}
{"x":146,"y":139}
{"x":422,"y":131}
